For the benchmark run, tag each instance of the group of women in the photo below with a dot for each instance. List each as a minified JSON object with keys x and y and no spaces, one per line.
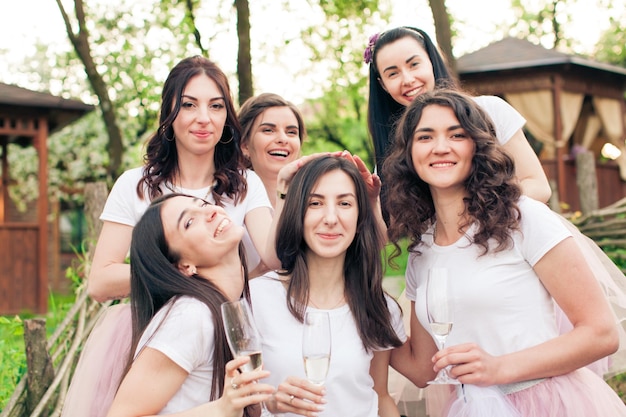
{"x":224,"y":197}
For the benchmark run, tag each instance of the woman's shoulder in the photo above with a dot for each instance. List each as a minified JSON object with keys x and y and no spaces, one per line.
{"x":267,"y":285}
{"x":129,"y":179}
{"x":186,"y":306}
{"x":132,"y":173}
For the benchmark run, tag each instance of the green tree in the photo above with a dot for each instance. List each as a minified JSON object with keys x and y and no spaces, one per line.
{"x":337,"y":120}
{"x":543,"y":23}
{"x":443,"y":29}
{"x":79,"y":37}
{"x":611,"y":47}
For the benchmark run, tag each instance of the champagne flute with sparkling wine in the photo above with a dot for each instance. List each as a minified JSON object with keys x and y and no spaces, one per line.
{"x":440,"y":309}
{"x":243,"y":337}
{"x":316,"y":346}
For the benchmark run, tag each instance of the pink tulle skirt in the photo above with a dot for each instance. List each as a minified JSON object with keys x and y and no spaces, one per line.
{"x":101,"y":364}
{"x":581,"y":393}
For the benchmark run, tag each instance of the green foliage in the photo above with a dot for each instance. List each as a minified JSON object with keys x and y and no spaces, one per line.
{"x":339,"y":117}
{"x":611,"y":46}
{"x":12,"y":351}
{"x":617,"y":255}
{"x":541,"y":21}
{"x":12,"y":356}
{"x":347,"y":8}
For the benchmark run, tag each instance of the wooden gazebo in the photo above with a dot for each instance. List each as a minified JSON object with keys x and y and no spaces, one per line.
{"x":570,"y":104}
{"x":27,"y":118}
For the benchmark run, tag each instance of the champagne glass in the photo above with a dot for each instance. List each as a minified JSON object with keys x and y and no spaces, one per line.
{"x":440,"y":311}
{"x":316,"y":345}
{"x":243,"y":337}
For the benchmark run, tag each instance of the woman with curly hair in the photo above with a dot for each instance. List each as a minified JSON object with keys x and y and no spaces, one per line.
{"x":508,"y":258}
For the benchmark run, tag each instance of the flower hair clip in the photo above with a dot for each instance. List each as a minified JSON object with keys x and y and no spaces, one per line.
{"x":368,"y":54}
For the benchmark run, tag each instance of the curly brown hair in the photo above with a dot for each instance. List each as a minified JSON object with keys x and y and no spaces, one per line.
{"x":492,"y":190}
{"x":161,"y":158}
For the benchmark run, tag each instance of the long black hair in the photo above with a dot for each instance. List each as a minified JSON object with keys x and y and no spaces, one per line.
{"x":156,"y":280}
{"x":363,"y":268}
{"x":382,"y":110}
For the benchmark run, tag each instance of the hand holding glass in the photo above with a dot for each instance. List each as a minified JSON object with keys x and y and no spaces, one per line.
{"x":243,"y":337}
{"x":316,"y":346}
{"x":440,"y":311}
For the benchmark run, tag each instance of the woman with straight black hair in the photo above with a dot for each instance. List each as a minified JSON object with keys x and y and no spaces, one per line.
{"x":186,"y":260}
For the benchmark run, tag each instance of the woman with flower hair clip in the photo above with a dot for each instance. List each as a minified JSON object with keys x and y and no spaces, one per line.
{"x":404,"y":63}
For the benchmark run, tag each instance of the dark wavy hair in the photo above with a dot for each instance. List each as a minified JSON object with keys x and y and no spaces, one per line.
{"x":492,"y":191}
{"x":161,"y":158}
{"x":382,"y":110}
{"x":363,"y":268}
{"x":156,"y":279}
{"x":254,"y":106}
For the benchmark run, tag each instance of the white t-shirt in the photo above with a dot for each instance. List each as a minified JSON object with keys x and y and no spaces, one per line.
{"x":185,"y":335}
{"x":125,"y":207}
{"x":505,"y":118}
{"x":499,"y":302}
{"x":349,"y":386}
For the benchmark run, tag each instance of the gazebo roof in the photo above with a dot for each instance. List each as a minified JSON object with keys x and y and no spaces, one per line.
{"x":512,"y":53}
{"x":59,"y":111}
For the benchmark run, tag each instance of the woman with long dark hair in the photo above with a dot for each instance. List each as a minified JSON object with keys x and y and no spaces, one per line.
{"x":329,"y":245}
{"x":195,"y":150}
{"x":186,"y":260}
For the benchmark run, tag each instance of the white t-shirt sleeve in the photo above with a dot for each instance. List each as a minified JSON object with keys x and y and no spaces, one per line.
{"x":257,"y":195}
{"x":411,"y":276}
{"x":396,"y":318}
{"x":184,"y":334}
{"x":505,"y":118}
{"x":123,"y":205}
{"x":541,"y":229}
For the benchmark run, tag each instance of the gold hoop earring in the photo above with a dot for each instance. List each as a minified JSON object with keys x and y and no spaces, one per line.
{"x":232,"y":135}
{"x":164,"y":133}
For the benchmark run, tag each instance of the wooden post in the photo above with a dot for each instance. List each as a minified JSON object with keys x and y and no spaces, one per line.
{"x":95,"y":196}
{"x":560,"y":153}
{"x":554,"y":202}
{"x":39,"y":364}
{"x":41,"y":145}
{"x":587,"y":182}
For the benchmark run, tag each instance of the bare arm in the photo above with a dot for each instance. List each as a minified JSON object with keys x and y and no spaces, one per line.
{"x":413,"y":358}
{"x":109,"y":276}
{"x":258,"y":222}
{"x":154,"y":379}
{"x":379,"y":370}
{"x":528,"y":169}
{"x":571,"y":283}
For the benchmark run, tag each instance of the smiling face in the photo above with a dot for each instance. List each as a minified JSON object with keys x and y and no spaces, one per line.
{"x":405,"y":70}
{"x":442,"y":151}
{"x":202,"y":234}
{"x":331,"y":217}
{"x":200,"y":121}
{"x":274,"y":142}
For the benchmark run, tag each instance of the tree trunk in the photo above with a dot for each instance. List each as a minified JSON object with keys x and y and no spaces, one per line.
{"x":244,"y":57}
{"x":443,"y":31}
{"x":95,"y":196}
{"x":587,"y":182}
{"x":196,"y":32}
{"x":80,"y":41}
{"x":39,"y":364}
